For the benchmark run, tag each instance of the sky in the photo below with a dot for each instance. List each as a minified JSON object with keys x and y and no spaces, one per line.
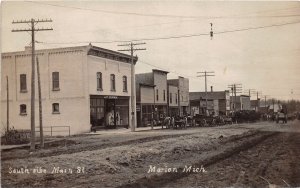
{"x":256,"y":44}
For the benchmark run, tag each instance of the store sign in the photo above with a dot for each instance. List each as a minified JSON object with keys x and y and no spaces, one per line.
{"x":110,"y":97}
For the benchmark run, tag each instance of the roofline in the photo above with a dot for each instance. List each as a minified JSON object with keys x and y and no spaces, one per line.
{"x":90,"y":50}
{"x":208,"y":91}
{"x":45,"y":49}
{"x":157,"y":70}
{"x":135,"y":58}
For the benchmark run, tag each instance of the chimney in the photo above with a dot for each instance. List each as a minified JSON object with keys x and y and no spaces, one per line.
{"x":211,"y":88}
{"x":27,"y":48}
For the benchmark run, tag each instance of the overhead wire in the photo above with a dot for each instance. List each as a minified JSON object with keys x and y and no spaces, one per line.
{"x":160,"y":15}
{"x":179,"y":36}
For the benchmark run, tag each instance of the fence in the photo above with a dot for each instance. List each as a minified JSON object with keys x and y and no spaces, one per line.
{"x":55,"y":129}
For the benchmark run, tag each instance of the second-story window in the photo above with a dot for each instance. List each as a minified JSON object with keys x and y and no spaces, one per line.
{"x":23,"y":83}
{"x":112,"y":82}
{"x":125,"y":83}
{"x":164,"y":95}
{"x":176,"y":99}
{"x":99,"y":81}
{"x":170,"y":97}
{"x":157,"y":94}
{"x":55,"y":81}
{"x":55,"y":108}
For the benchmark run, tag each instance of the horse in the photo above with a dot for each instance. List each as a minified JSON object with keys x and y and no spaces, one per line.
{"x":166,"y":122}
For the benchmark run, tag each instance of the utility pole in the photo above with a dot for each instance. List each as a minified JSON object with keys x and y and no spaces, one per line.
{"x":205,"y":74}
{"x":40,"y":104}
{"x":235,"y":88}
{"x":257,"y":98}
{"x":265,"y":96}
{"x":7,"y":103}
{"x":132,"y":49}
{"x":257,"y":94}
{"x":33,"y":22}
{"x":250,"y":91}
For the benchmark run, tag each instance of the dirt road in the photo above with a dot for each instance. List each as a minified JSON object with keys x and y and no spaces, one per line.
{"x":235,"y":155}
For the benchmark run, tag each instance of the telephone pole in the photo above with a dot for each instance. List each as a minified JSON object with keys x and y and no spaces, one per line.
{"x":257,"y":98}
{"x":235,"y":88}
{"x":205,"y":74}
{"x":132,"y":49}
{"x":250,"y":91}
{"x":7,"y":103}
{"x":40,"y":104}
{"x":33,"y":22}
{"x":265,"y":96}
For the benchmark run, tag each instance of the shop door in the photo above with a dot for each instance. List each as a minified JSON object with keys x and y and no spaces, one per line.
{"x":110,"y":113}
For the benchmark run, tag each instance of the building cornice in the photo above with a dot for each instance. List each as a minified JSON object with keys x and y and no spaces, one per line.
{"x":109,"y":54}
{"x":89,"y":49}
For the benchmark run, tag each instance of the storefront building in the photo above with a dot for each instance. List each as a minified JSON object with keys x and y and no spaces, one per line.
{"x":182,"y":85}
{"x":81,"y":87}
{"x":151,"y":92}
{"x":173,"y":103}
{"x":218,"y":103}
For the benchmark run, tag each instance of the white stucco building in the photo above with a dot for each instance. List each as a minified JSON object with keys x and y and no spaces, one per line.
{"x":80,"y":86}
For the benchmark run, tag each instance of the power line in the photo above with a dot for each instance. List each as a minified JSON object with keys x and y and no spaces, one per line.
{"x":237,"y":16}
{"x":174,"y":72}
{"x":162,"y":15}
{"x":259,"y":27}
{"x":176,"y":36}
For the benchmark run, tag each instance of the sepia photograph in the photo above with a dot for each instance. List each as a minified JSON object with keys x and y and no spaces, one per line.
{"x":158,"y":94}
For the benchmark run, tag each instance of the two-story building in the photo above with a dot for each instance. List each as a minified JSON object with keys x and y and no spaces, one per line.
{"x":182,"y":85}
{"x":151,"y":95}
{"x":173,"y":102}
{"x":80,"y":86}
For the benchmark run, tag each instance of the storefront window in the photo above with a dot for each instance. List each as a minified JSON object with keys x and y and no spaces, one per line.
{"x":97,"y":111}
{"x":122,"y":112}
{"x":147,"y":114}
{"x":109,"y":111}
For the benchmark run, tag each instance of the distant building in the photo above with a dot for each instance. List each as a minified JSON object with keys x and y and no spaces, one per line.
{"x":241,"y":102}
{"x":151,"y":92}
{"x":217,"y":102}
{"x":173,"y":102}
{"x":255,"y":104}
{"x":80,"y":86}
{"x":182,"y":85}
{"x":275,"y":107}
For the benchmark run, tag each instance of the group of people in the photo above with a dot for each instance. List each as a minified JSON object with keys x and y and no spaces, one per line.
{"x":171,"y":121}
